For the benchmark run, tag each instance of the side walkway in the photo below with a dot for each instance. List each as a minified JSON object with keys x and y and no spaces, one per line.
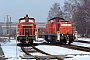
{"x":1,"y":54}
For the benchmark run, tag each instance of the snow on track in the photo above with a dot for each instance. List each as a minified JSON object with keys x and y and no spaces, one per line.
{"x":56,"y":50}
{"x":81,"y":44}
{"x":79,"y":58}
{"x":84,"y":39}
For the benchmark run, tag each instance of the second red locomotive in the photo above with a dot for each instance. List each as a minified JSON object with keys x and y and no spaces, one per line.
{"x":58,"y":31}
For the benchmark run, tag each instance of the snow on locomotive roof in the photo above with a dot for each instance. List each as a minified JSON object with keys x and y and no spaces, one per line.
{"x":60,"y":19}
{"x":57,"y":17}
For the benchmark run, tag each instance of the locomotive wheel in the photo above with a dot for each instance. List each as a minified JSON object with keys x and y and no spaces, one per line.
{"x":64,"y":42}
{"x":31,"y":42}
{"x":53,"y":39}
{"x":18,"y":39}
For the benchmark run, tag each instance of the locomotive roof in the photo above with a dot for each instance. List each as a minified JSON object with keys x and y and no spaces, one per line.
{"x":25,"y":17}
{"x":56,"y":17}
{"x":62,"y":19}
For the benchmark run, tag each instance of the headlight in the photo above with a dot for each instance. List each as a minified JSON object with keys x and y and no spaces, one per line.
{"x":62,"y":34}
{"x":17,"y":33}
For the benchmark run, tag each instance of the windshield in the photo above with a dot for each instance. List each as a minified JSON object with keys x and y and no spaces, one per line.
{"x":22,"y":21}
{"x":30,"y":20}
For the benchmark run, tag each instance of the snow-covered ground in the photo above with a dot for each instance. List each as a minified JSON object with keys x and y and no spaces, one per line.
{"x":56,"y":50}
{"x":81,"y":44}
{"x":84,"y":39}
{"x":13,"y":52}
{"x":86,"y":57}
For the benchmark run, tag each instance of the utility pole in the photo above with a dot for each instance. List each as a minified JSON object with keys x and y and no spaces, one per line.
{"x":10,"y":29}
{"x":4,"y":27}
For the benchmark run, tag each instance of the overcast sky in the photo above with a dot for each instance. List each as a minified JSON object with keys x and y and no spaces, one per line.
{"x":19,"y":8}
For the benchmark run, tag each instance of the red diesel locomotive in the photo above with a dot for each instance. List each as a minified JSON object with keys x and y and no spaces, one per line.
{"x":26,"y":30}
{"x":58,"y":31}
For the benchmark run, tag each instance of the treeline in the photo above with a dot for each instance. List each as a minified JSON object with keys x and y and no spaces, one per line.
{"x":77,"y":11}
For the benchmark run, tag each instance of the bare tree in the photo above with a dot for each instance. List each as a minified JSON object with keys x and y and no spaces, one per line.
{"x":77,"y":11}
{"x":69,"y":9}
{"x":82,"y":17}
{"x":55,"y":11}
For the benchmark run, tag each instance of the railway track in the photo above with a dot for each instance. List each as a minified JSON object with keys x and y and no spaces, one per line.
{"x":32,"y":49}
{"x":86,"y":49}
{"x":75,"y":47}
{"x":82,"y":41}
